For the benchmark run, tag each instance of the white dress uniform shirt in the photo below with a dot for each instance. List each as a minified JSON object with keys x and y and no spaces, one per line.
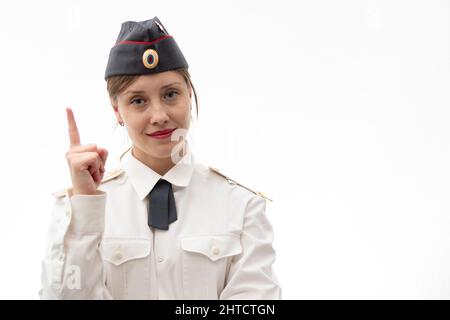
{"x":101,"y":247}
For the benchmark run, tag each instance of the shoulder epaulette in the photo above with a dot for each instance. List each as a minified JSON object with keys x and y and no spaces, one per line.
{"x":110,"y":175}
{"x":231,"y":181}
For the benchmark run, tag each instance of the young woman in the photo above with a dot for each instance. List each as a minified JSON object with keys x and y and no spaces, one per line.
{"x":160,"y":226}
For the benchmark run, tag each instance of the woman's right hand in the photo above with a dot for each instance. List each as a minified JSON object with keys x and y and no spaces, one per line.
{"x":86,"y":163}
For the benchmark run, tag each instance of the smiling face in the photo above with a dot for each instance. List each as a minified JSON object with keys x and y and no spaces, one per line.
{"x":153,"y":103}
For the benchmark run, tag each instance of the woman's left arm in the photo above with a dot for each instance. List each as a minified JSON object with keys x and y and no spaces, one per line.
{"x":250,"y":275}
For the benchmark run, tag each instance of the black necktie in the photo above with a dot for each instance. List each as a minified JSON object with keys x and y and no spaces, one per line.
{"x":161,"y":208}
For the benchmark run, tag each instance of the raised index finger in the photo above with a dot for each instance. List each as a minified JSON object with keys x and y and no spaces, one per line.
{"x":74,"y":136}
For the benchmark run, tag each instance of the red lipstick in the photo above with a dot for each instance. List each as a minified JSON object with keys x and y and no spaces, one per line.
{"x":161,"y":134}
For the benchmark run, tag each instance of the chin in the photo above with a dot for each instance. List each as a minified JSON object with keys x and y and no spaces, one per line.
{"x":162,"y":150}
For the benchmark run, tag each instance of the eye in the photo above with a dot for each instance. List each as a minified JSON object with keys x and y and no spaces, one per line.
{"x":171,"y":92}
{"x":137,"y":100}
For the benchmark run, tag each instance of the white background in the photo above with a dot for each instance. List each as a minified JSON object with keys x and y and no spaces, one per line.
{"x":338,"y":110}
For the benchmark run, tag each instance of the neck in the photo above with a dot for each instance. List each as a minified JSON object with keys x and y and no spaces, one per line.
{"x":159,"y":165}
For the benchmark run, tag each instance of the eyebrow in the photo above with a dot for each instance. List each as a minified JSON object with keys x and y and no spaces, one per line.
{"x":140,"y":91}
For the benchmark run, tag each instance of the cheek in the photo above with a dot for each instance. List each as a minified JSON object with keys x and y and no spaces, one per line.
{"x":181,"y":116}
{"x":135,"y":123}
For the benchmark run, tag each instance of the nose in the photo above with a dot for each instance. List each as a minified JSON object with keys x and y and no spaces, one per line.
{"x":158,"y":115}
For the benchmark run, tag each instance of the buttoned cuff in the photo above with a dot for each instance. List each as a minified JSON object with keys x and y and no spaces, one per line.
{"x":87,"y":212}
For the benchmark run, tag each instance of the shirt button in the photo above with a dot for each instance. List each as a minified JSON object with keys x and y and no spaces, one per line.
{"x":215,"y":251}
{"x":160,"y":259}
{"x":61,"y":257}
{"x":118,"y":255}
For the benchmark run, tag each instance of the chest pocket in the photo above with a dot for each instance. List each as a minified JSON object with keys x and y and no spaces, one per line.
{"x":206,"y":260}
{"x":127,"y":266}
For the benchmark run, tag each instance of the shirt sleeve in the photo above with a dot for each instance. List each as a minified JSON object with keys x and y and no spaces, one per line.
{"x":73,"y":267}
{"x":251,"y":275}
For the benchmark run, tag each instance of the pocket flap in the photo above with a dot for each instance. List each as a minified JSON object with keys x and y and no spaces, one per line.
{"x":119,"y":251}
{"x":213,"y":246}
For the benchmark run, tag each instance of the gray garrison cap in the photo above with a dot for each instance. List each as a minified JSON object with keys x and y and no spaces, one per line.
{"x":142,"y":48}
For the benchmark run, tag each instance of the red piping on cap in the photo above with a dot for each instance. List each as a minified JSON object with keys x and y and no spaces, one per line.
{"x":143,"y":42}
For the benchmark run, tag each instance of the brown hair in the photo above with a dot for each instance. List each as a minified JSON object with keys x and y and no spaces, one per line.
{"x":118,"y":84}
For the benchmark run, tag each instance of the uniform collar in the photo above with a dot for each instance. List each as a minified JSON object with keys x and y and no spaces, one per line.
{"x":143,"y":178}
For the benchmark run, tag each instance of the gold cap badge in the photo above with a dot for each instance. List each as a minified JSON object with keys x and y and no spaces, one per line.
{"x":150,"y":58}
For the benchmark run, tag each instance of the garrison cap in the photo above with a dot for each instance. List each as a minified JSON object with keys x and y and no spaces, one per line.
{"x":144,"y":47}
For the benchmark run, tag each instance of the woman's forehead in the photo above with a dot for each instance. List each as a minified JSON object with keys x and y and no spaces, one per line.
{"x":155,"y":81}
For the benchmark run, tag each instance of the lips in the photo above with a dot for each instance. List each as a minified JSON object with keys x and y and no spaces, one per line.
{"x":162,"y":132}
